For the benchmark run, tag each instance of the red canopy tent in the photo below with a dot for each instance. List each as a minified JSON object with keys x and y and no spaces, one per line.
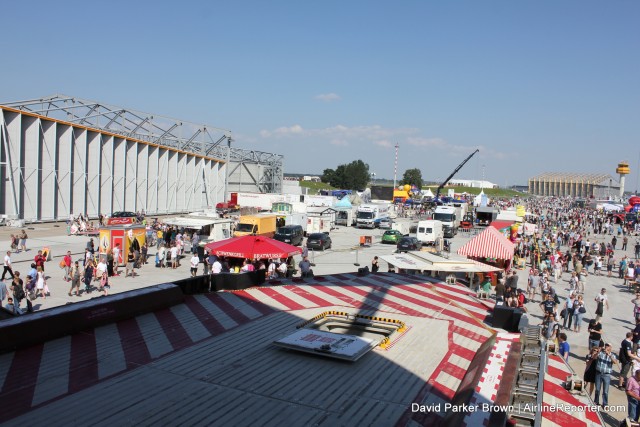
{"x":252,"y":247}
{"x":488,"y":244}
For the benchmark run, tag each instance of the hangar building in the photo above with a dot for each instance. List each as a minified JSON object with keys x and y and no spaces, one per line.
{"x":62,"y":155}
{"x":599,"y":186}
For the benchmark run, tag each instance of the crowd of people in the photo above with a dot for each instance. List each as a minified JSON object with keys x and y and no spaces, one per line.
{"x":571,"y":244}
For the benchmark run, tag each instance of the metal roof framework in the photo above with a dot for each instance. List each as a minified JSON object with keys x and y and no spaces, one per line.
{"x":164,"y":131}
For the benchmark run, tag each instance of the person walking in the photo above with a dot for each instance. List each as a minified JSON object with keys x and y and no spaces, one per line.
{"x":626,"y":357}
{"x":3,"y":291}
{"x":195,"y":260}
{"x":130,"y":265}
{"x":589,"y":376}
{"x":7,"y":266}
{"x":604,"y":366}
{"x":568,"y":308}
{"x":578,"y":313}
{"x":602,"y":302}
{"x":104,"y":284}
{"x":88,"y":276}
{"x":41,"y":283}
{"x":23,"y":241}
{"x":116,"y":259}
{"x":633,"y":396}
{"x":305,"y":268}
{"x":67,"y":266}
{"x":174,"y":257}
{"x":75,"y":278}
{"x":625,"y":241}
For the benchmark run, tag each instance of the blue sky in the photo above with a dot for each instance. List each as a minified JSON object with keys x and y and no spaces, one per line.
{"x":537,"y":85}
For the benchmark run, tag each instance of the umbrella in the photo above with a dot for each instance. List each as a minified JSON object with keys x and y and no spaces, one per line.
{"x":252,"y":247}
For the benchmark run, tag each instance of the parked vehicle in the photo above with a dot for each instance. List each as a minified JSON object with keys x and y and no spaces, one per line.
{"x":369,"y":215}
{"x":259,"y":224}
{"x":319,"y":241}
{"x":392,"y":236}
{"x":123,"y":215}
{"x":346,"y":216}
{"x":385,"y":223}
{"x":448,"y":216}
{"x":402,"y":226}
{"x":430,"y":231}
{"x":486,"y":215}
{"x":409,"y":244}
{"x":291,"y":234}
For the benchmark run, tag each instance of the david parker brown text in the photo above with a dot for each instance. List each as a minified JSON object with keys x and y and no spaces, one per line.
{"x":486,"y":407}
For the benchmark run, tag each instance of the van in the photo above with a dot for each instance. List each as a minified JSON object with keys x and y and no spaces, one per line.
{"x":430,"y":231}
{"x":291,"y":234}
{"x":257,"y":225}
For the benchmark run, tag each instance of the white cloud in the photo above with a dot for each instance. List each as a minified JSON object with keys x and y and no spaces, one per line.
{"x":384,"y":143}
{"x":340,"y":132}
{"x":376,"y":135}
{"x":328,"y":97}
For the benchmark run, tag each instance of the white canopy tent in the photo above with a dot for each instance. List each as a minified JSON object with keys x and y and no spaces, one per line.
{"x":426,"y":261}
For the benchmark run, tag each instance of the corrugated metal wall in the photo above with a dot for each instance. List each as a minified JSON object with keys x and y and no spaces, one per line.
{"x":49,"y":169}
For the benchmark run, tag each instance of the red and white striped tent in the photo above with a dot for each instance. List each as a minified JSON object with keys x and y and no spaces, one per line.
{"x":488,"y":244}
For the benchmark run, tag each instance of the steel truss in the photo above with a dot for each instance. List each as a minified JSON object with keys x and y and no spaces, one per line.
{"x":258,"y":171}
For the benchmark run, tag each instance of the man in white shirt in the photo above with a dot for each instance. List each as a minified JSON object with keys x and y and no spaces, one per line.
{"x":216,"y":267}
{"x":7,"y":266}
{"x":101,"y":267}
{"x":116,"y":259}
{"x":282,"y":269}
{"x":194,"y":265}
{"x":174,"y":256}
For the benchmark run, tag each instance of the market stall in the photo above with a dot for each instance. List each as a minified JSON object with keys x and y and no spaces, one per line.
{"x":252,"y":248}
{"x":129,"y":237}
{"x":490,"y":247}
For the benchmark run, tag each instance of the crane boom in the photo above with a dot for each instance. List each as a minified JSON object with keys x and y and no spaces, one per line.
{"x":453,"y":173}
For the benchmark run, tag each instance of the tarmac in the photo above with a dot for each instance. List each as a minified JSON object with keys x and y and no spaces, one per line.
{"x":345,"y":256}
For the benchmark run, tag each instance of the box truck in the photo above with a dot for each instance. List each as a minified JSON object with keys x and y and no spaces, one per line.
{"x":486,"y":215}
{"x":430,"y":231}
{"x":448,"y":216}
{"x":369,"y":215}
{"x":259,"y":225}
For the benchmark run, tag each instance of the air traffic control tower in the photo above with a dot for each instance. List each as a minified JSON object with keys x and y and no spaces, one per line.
{"x":622,"y":170}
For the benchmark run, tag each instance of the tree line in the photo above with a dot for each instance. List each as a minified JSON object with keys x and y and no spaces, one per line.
{"x":356,"y":176}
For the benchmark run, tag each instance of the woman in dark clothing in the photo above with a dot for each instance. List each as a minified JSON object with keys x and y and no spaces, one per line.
{"x":88,"y":276}
{"x":590,"y":371}
{"x":110,"y":271}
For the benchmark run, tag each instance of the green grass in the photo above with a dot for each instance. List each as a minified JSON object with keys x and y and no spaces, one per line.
{"x":315,"y":187}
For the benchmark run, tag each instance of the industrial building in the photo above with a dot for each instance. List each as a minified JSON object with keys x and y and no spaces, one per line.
{"x":61,"y":155}
{"x":599,"y":186}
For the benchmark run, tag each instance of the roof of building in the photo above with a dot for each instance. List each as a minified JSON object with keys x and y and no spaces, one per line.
{"x":213,"y":358}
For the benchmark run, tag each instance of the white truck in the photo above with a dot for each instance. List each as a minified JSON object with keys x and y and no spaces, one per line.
{"x":283,"y":219}
{"x":346,"y":216}
{"x":430,"y":231}
{"x":369,"y":215}
{"x":209,"y":229}
{"x":448,"y":216}
{"x":402,"y":226}
{"x":262,"y":201}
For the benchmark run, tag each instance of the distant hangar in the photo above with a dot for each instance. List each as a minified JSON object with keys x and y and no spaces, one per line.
{"x":574,"y":184}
